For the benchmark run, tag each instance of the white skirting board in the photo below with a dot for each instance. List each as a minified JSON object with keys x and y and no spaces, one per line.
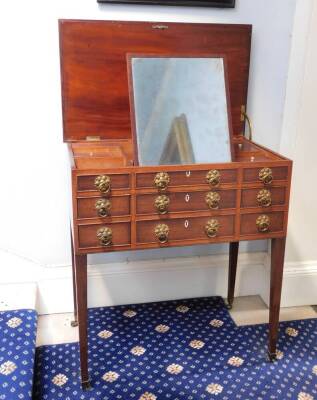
{"x":155,"y":280}
{"x":167,"y":279}
{"x":299,"y":284}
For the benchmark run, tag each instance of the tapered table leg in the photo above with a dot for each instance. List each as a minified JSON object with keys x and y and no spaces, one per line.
{"x":277,"y":265}
{"x":75,"y":320}
{"x":233,"y":260}
{"x":81,"y":284}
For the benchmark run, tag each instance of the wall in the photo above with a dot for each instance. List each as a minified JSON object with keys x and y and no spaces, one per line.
{"x":34,"y":236}
{"x":304,"y":197}
{"x":299,"y":142}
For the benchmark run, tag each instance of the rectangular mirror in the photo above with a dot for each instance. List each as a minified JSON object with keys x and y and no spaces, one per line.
{"x":180,"y":109}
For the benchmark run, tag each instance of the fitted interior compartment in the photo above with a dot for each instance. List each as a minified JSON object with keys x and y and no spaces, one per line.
{"x":112,"y":153}
{"x":102,"y":154}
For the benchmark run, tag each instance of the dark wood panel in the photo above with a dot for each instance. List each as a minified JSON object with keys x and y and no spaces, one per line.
{"x":87,"y":235}
{"x":276,"y":279}
{"x":94,"y":68}
{"x":86,"y":207}
{"x":185,"y":178}
{"x":249,"y":226}
{"x":249,"y":197}
{"x":179,"y":231}
{"x":185,"y":201}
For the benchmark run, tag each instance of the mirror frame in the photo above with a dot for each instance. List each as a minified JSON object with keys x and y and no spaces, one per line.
{"x":130,"y":56}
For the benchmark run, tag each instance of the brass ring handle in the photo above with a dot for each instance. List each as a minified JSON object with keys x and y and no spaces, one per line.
{"x":264,"y":198}
{"x":263,"y":223}
{"x":105,"y":236}
{"x":213,"y":177}
{"x":103,"y":183}
{"x":103,"y":207}
{"x":161,"y":180}
{"x":266,"y":176}
{"x":161,"y":204}
{"x":213,"y":199}
{"x":212,"y":228}
{"x":161,"y":232}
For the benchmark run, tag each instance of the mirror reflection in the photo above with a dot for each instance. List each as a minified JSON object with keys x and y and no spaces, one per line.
{"x":181,"y":113}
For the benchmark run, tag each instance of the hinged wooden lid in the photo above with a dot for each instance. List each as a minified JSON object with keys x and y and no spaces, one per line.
{"x":94,"y":72}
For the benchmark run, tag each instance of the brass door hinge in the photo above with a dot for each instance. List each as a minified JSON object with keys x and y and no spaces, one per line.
{"x":158,"y":26}
{"x":244,"y":117}
{"x":92,"y":138}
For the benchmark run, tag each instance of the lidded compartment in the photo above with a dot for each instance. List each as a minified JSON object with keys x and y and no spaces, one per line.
{"x":95,"y":90}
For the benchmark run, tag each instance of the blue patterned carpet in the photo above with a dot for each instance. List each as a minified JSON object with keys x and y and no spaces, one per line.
{"x":180,"y":350}
{"x":17,"y":351}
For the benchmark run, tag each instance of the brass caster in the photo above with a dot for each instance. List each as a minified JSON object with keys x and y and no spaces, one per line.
{"x":228,"y":305}
{"x":74,"y":323}
{"x":271,"y":356}
{"x":86,"y":385}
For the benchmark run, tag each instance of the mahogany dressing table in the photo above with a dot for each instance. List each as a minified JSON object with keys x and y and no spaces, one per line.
{"x":118,"y":203}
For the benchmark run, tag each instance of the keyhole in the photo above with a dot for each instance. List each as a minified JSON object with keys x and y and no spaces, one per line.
{"x":186,"y":224}
{"x":188,"y":174}
{"x":187,"y":198}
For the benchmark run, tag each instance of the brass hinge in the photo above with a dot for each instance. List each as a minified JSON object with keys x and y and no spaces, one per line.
{"x":92,"y":138}
{"x":160,"y":26}
{"x":244,"y":117}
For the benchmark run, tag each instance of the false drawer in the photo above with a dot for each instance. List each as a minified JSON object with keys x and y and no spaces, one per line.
{"x":195,"y":228}
{"x":170,"y":202}
{"x":94,"y":207}
{"x":265,"y":175}
{"x":186,"y":178}
{"x":262,"y":223}
{"x":265,"y":197}
{"x":104,"y":235}
{"x":103,"y":182}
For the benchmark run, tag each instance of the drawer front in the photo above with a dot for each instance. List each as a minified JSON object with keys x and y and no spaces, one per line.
{"x":249,"y":223}
{"x":252,"y":174}
{"x":121,"y":235}
{"x":183,"y":178}
{"x":257,"y":198}
{"x":117,"y":181}
{"x":94,"y":207}
{"x":185,"y":201}
{"x":184,"y":229}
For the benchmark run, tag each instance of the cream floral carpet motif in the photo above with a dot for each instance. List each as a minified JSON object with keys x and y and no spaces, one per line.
{"x":17,"y":351}
{"x":180,"y":350}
